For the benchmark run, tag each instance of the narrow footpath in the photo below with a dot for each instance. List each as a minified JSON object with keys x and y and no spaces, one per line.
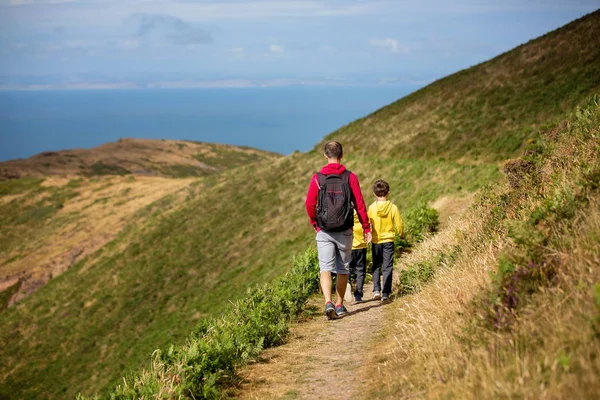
{"x":321,"y":359}
{"x":338,"y":359}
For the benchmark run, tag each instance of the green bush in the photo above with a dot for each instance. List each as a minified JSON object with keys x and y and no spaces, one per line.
{"x":420,"y":221}
{"x":210,"y":355}
{"x":99,"y":168}
{"x":416,"y":275}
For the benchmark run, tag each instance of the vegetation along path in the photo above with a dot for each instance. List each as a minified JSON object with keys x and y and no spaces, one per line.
{"x":322,"y":359}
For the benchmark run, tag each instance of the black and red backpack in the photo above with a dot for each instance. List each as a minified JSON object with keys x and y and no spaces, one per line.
{"x":335,"y":206}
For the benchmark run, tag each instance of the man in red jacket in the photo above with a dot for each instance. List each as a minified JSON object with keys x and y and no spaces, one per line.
{"x":335,"y":247}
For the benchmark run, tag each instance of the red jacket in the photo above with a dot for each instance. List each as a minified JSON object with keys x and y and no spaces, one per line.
{"x":313,"y":194}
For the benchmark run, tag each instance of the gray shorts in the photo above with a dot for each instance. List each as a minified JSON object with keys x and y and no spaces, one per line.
{"x":335,"y":251}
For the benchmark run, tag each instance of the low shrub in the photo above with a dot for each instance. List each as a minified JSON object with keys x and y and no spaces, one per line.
{"x":206,"y":362}
{"x":542,"y":209}
{"x":99,"y":168}
{"x":420,"y":221}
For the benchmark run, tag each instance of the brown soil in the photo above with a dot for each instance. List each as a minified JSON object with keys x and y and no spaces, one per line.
{"x":322,"y":359}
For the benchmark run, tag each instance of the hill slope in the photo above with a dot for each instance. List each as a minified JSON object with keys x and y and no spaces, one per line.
{"x":502,"y":303}
{"x":174,"y":158}
{"x":148,"y":287}
{"x":513,"y":310}
{"x":489,"y":111}
{"x":76,"y":201}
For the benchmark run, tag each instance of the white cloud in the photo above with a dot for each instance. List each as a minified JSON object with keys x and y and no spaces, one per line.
{"x":390,"y":44}
{"x":275,"y":48}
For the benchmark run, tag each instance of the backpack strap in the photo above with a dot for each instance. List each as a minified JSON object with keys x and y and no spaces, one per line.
{"x":320,"y":179}
{"x":346,"y":178}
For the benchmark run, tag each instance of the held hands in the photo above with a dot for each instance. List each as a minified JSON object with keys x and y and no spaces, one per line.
{"x":368,"y":237}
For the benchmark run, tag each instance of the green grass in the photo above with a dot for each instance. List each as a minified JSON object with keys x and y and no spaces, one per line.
{"x":209,"y":356}
{"x":100,"y":168}
{"x":149,"y":287}
{"x":24,"y":215}
{"x":6,"y":295}
{"x":18,"y":186}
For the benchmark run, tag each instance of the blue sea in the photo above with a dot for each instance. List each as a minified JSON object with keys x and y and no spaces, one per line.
{"x":281,"y":119}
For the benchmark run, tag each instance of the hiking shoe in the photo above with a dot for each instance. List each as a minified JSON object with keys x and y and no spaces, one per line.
{"x":385,"y":297}
{"x":340,"y":310}
{"x":330,"y":310}
{"x":358,"y":300}
{"x":376,"y":296}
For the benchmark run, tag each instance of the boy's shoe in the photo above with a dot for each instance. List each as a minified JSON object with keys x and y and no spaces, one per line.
{"x":385,"y":297}
{"x":330,"y":310}
{"x":358,"y":300}
{"x":340,"y":310}
{"x":376,"y":296}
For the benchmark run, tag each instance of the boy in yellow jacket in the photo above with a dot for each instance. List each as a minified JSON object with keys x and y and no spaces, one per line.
{"x":385,"y":222}
{"x":358,"y":264}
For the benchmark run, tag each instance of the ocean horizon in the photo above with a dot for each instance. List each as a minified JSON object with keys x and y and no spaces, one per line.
{"x":281,"y":119}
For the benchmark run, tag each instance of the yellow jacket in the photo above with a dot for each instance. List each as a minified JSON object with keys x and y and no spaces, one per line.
{"x":359,"y":234}
{"x":385,"y":221}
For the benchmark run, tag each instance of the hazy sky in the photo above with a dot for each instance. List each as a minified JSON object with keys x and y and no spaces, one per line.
{"x":350,"y":40}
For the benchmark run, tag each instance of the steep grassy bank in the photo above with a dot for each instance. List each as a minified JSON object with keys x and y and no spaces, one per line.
{"x":149,"y":286}
{"x":488,"y":112}
{"x":514,"y":309}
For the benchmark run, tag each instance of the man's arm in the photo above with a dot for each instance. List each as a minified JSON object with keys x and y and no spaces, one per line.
{"x":361,"y":209}
{"x":311,"y":201}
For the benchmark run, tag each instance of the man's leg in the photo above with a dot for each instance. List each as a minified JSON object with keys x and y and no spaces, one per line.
{"x":340,"y":287}
{"x":342,"y":262}
{"x":388,"y":267}
{"x":326,"y":251}
{"x":326,"y":285}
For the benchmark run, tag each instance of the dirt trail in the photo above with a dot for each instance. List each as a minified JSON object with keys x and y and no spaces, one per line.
{"x":332,"y":359}
{"x":321,"y":359}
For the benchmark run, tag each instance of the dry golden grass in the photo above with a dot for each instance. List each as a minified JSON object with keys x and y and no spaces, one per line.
{"x":421,"y":335}
{"x":434,"y":350}
{"x":92,"y":219}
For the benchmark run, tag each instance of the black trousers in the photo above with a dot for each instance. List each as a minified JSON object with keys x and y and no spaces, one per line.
{"x":358,"y":270}
{"x":383,"y":259}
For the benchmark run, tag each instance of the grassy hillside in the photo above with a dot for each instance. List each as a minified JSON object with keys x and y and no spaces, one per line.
{"x":146,"y":157}
{"x":515,"y":308}
{"x":150,"y":285}
{"x":51,"y":222}
{"x":488,"y":112}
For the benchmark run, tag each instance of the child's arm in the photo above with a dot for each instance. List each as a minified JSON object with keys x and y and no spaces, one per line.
{"x":397,"y":219}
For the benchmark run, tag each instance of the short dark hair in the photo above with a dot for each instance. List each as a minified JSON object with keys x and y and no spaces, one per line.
{"x":334,"y":150}
{"x":381,"y":188}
